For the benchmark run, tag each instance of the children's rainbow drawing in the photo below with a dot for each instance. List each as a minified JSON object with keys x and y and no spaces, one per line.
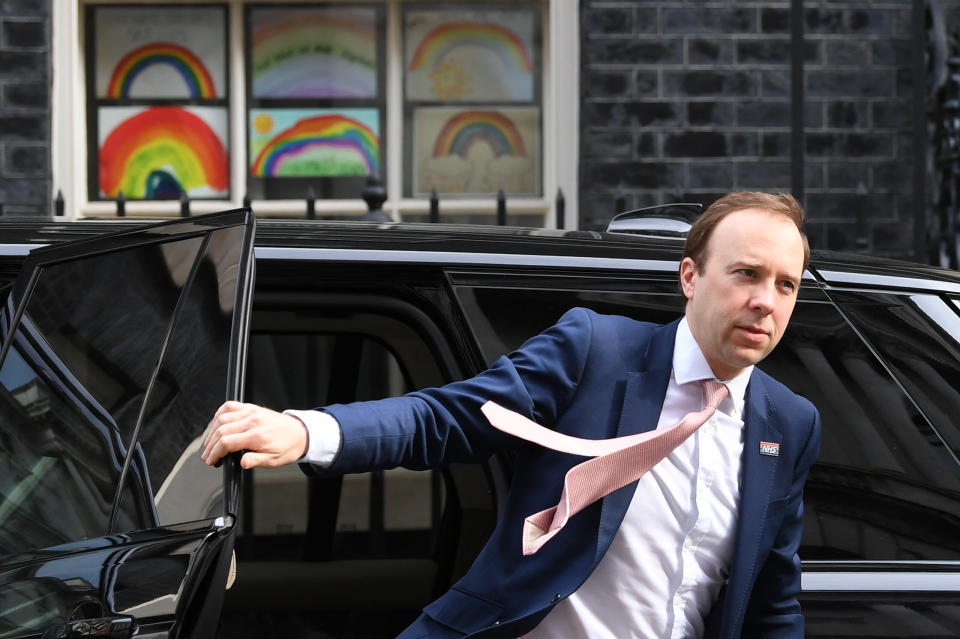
{"x":301,"y":53}
{"x":323,"y":145}
{"x":464,"y":129}
{"x":450,"y":35}
{"x":190,"y":67}
{"x":159,"y":150}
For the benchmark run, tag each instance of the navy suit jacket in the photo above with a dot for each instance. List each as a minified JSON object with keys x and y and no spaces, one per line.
{"x":592,"y":376}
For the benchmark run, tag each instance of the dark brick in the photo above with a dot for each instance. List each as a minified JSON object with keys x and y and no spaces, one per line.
{"x":847,"y":52}
{"x":847,"y":175}
{"x":28,"y":95}
{"x":858,"y":83}
{"x":645,"y":20}
{"x":632,"y":114}
{"x":701,"y":20}
{"x":849,"y":144}
{"x":710,"y":51}
{"x":845,"y":206}
{"x":710,"y":175}
{"x":774,"y":20}
{"x":903,"y":22}
{"x":775,"y":144}
{"x":633,"y":174}
{"x":767,"y":51}
{"x":710,"y":113}
{"x":606,"y":144}
{"x":608,"y":20}
{"x":891,"y":114}
{"x":20,"y":64}
{"x":606,"y":83}
{"x":26,"y":160}
{"x":24,"y":190}
{"x":905,"y":82}
{"x":763,"y":114}
{"x":847,"y":114}
{"x":708,"y":83}
{"x":24,"y":128}
{"x":823,"y":21}
{"x":695,"y":144}
{"x":892,"y":177}
{"x":745,"y":144}
{"x":775,"y":84}
{"x":647,"y":84}
{"x":21,"y":33}
{"x":870,"y":22}
{"x":646,"y":145}
{"x":894,"y":239}
{"x":763,"y":175}
{"x":843,"y":236}
{"x":634,"y":51}
{"x":813,"y":175}
{"x":813,"y":114}
{"x":892,"y":52}
{"x":33,"y":8}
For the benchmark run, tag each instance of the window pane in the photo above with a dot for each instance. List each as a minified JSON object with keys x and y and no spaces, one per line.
{"x":157,"y":102}
{"x":473,"y":100}
{"x":885,"y":486}
{"x":316,"y":105}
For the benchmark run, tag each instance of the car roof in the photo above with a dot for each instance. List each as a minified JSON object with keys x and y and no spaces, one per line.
{"x":831,"y":267}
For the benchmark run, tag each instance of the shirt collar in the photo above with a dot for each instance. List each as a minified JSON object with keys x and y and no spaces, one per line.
{"x":690,"y":365}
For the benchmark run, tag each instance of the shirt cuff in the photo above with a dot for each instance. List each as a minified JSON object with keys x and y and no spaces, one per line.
{"x":323,"y":430}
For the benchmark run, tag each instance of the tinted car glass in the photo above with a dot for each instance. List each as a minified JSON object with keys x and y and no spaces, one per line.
{"x":90,"y":354}
{"x":189,"y":386}
{"x":884,"y":487}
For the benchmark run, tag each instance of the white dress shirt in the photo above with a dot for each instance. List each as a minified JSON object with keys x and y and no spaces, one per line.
{"x":667,"y":562}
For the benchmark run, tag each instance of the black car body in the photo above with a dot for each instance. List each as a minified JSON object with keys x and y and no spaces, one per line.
{"x":348,"y":311}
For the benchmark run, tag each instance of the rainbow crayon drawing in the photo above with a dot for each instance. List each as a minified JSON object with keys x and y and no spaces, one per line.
{"x":465,"y":129}
{"x":450,"y":35}
{"x":195,"y":75}
{"x":160,"y":152}
{"x":299,"y":53}
{"x":323,"y":145}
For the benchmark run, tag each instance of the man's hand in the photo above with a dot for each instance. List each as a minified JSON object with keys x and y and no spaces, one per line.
{"x":272,"y":439}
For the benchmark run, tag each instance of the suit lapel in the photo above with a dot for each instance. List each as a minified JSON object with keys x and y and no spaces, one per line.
{"x":758,"y":474}
{"x":642,"y":404}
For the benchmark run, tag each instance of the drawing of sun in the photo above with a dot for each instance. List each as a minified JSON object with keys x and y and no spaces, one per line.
{"x":450,"y":81}
{"x":263,"y":124}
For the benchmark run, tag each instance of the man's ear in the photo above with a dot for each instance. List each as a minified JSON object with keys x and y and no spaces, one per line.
{"x":688,"y":270}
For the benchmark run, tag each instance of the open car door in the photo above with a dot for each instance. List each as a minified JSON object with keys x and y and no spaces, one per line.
{"x":116,"y":351}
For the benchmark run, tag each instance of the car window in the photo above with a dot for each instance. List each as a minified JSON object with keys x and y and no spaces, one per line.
{"x":885,"y":486}
{"x":376,"y":514}
{"x":75,"y":377}
{"x":190,"y":385}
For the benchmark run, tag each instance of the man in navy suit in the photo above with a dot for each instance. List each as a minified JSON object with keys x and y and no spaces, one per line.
{"x":703,"y":545}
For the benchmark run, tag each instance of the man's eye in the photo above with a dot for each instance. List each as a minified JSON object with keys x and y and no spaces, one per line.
{"x":748,"y":272}
{"x":787,"y":284}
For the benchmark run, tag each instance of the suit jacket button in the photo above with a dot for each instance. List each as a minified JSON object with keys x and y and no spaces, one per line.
{"x":556,"y":597}
{"x":497,"y":622}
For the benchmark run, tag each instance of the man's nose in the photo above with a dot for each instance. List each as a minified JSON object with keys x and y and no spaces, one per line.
{"x":762,"y":298}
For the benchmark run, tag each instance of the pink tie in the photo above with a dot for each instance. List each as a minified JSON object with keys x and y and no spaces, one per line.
{"x":616,"y":462}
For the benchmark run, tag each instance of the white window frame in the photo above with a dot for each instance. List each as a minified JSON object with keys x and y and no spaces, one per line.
{"x":560,"y":126}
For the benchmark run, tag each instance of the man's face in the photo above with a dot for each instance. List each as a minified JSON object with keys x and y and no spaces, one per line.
{"x":740,"y":300}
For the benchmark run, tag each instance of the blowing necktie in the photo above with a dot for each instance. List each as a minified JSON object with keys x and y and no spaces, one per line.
{"x":615,"y":462}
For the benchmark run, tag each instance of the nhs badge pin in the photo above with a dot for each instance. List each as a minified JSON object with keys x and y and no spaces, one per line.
{"x":770,"y":448}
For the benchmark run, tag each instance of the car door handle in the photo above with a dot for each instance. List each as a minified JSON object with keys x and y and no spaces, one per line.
{"x":102,"y":627}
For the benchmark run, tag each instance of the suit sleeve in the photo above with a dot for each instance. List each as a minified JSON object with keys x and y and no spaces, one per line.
{"x":431,"y":427}
{"x":773,"y":609}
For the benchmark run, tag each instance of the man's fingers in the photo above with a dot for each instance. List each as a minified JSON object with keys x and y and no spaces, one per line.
{"x":252,"y":460}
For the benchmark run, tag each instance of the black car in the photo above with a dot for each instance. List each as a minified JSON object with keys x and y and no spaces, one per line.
{"x":117,"y":349}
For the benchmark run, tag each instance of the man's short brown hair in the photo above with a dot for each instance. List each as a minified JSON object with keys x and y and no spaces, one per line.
{"x":784,"y":204}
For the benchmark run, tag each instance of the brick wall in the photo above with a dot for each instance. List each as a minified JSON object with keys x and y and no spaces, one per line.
{"x":684,"y":101}
{"x":25,"y":77}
